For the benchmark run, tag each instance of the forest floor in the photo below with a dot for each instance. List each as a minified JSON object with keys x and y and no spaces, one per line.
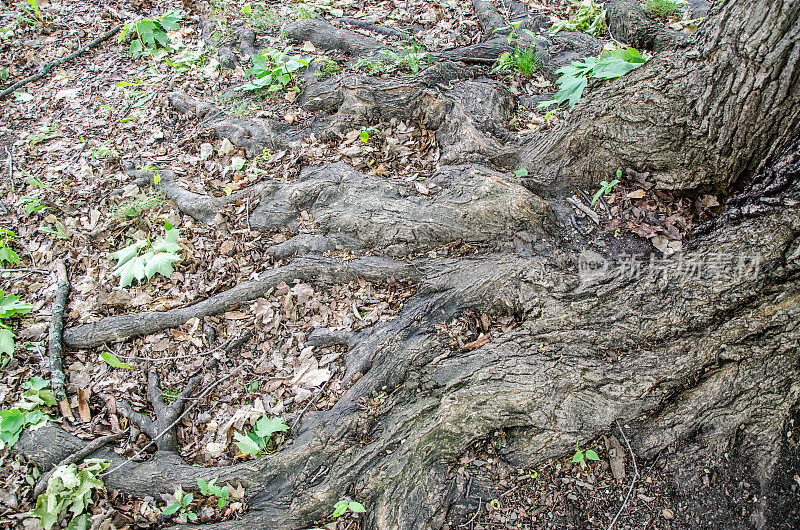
{"x":64,"y":137}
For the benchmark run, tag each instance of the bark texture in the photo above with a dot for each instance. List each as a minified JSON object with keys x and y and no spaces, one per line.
{"x":706,"y":364}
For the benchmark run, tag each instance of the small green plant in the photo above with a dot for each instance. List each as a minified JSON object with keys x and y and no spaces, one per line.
{"x":104,"y":152}
{"x":580,"y":456}
{"x":522,"y":58}
{"x":7,"y":254}
{"x":134,"y":208}
{"x":664,"y":8}
{"x":260,"y":16}
{"x":575,"y":77}
{"x":150,"y":35}
{"x":10,"y":306}
{"x":257,"y":442}
{"x":211,"y":489}
{"x":3,"y":74}
{"x":343,"y":506}
{"x":70,"y":488}
{"x":605,"y":187}
{"x":27,"y":411}
{"x":364,"y":134}
{"x":181,"y":506}
{"x":143,"y":259}
{"x":31,"y":203}
{"x":32,"y":15}
{"x":326,"y":67}
{"x":274,"y":70}
{"x":521,"y":172}
{"x":590,"y":18}
{"x":59,"y":232}
{"x":409,"y":58}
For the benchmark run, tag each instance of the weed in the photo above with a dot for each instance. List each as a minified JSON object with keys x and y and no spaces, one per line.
{"x":7,"y":254}
{"x":590,"y":18}
{"x":211,"y":489}
{"x":59,"y":232}
{"x":32,"y":15}
{"x":31,"y":203}
{"x":409,"y":58}
{"x":343,"y":506}
{"x":181,"y":506}
{"x":260,"y":16}
{"x":133,"y":208}
{"x":326,"y":67}
{"x":257,"y":442}
{"x":143,"y":259}
{"x":605,"y":187}
{"x":580,"y":456}
{"x":150,"y":35}
{"x":664,"y":8}
{"x":575,"y":77}
{"x":27,"y":411}
{"x":522,"y":58}
{"x":69,"y":488}
{"x":274,"y":70}
{"x":521,"y":172}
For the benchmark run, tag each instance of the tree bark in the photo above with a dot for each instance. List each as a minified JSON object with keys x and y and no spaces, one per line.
{"x":705,"y":364}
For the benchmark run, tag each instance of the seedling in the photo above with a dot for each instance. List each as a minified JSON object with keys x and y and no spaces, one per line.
{"x":256,"y":442}
{"x":9,"y":306}
{"x":575,"y":77}
{"x":151,"y":34}
{"x":69,"y":489}
{"x":590,"y":18}
{"x":522,"y":58}
{"x":580,"y":456}
{"x":181,"y":506}
{"x":27,"y":411}
{"x":7,"y":254}
{"x":211,"y":489}
{"x":343,"y":506}
{"x":521,"y":172}
{"x":143,"y":259}
{"x":605,"y":187}
{"x":274,"y":70}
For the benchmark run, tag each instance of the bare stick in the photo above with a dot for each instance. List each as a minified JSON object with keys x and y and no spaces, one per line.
{"x":56,"y":329}
{"x":46,"y":67}
{"x":76,"y":457}
{"x":635,"y":476}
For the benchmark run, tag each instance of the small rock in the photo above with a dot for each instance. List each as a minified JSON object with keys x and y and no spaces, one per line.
{"x":226,"y":147}
{"x":667,"y":514}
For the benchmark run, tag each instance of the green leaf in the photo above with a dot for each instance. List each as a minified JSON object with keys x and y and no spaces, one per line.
{"x":36,"y":383}
{"x":114,"y":362}
{"x":171,"y":509}
{"x":7,"y":255}
{"x":246,"y":445}
{"x":591,"y":455}
{"x":339,"y":508}
{"x":130,"y":270}
{"x":128,"y":253}
{"x":265,"y":427}
{"x":10,"y":306}
{"x":187,"y":499}
{"x":135,"y":48}
{"x":6,"y":341}
{"x":203,"y":485}
{"x":364,"y":136}
{"x":357,"y":507}
{"x":160,"y":263}
{"x":521,"y":172}
{"x":578,"y":457}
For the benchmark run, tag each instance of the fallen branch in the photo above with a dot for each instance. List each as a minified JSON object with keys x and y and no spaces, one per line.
{"x":46,"y":67}
{"x":56,"y":330}
{"x":76,"y":457}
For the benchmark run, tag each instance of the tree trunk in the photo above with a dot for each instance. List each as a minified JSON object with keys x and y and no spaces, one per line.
{"x":706,"y":364}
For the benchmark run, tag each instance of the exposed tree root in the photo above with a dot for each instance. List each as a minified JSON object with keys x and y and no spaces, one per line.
{"x":320,"y":270}
{"x":56,"y":331}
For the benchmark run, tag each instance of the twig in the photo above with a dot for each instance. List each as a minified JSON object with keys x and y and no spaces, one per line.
{"x":48,"y":66}
{"x":311,"y":402}
{"x":56,"y":330}
{"x":25,"y":269}
{"x":635,"y":476}
{"x":74,"y":458}
{"x":9,"y":151}
{"x":244,"y":338}
{"x":480,"y":505}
